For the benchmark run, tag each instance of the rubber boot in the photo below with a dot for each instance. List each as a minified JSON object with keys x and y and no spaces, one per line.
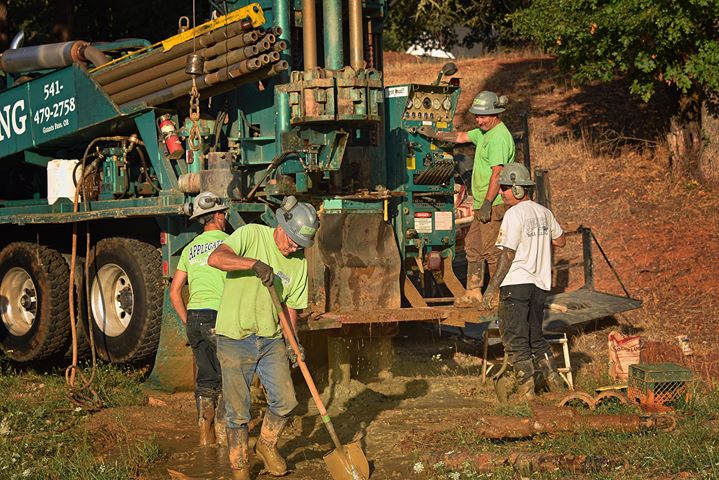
{"x":220,"y":422}
{"x":524,"y":375}
{"x":206,"y":419}
{"x":239,"y":452}
{"x":475,"y":278}
{"x":266,"y":447}
{"x":551,"y":375}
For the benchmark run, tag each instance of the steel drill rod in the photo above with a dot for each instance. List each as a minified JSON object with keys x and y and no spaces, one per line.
{"x":280,"y":46}
{"x":203,"y":82}
{"x":233,"y":56}
{"x":177,"y":77}
{"x":263,"y":73}
{"x":236,"y":42}
{"x":157,"y":57}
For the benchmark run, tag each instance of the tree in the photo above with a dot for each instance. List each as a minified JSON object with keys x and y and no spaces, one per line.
{"x":650,"y":42}
{"x":433,"y":23}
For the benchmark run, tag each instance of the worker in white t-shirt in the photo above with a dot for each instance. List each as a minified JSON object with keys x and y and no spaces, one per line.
{"x":524,"y":278}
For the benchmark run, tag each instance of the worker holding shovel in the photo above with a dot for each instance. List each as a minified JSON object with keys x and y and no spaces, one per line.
{"x":250,"y":339}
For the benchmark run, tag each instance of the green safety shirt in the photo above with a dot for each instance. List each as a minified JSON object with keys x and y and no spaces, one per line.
{"x":205,"y":281}
{"x":494,"y":147}
{"x":246,"y":307}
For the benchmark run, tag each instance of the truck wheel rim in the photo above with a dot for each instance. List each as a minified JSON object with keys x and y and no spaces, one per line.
{"x":112,"y":300}
{"x":18,"y":301}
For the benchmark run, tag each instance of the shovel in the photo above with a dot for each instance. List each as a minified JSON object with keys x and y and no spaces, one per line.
{"x":345,"y":462}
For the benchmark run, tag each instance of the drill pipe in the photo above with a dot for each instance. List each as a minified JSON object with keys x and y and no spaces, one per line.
{"x":203,"y":82}
{"x":280,"y":46}
{"x":158,"y":56}
{"x":265,"y":43}
{"x":236,"y":42}
{"x":233,"y":56}
{"x":266,"y":71}
{"x":179,"y":76}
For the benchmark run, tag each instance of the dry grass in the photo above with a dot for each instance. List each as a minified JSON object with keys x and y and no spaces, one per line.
{"x":609,"y":170}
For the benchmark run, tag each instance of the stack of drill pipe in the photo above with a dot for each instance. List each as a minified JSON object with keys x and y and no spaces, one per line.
{"x":237,"y":57}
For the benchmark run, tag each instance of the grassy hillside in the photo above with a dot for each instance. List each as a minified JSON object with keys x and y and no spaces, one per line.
{"x":609,"y":170}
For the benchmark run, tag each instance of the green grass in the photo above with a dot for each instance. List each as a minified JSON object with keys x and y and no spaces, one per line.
{"x":692,"y":449}
{"x":41,"y":434}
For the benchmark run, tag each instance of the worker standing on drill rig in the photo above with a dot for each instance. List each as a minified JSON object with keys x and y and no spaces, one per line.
{"x":249,"y":336}
{"x":523,"y":279}
{"x":494,"y":149}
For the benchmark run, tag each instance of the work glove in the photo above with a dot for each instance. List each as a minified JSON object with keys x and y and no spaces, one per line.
{"x":427,"y":131}
{"x":488,"y":300}
{"x":485,"y":212}
{"x":264,"y":272}
{"x":292,"y":356}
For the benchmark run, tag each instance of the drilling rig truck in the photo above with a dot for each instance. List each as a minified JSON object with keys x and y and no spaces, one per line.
{"x":103,"y":146}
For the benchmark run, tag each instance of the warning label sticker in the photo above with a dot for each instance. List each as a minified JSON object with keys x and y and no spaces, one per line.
{"x":443,"y":221}
{"x":423,"y":222}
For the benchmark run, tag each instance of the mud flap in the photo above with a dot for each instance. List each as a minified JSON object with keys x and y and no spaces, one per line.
{"x":354,"y":265}
{"x":174,"y":364}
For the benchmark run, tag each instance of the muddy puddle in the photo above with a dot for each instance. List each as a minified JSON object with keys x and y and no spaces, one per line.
{"x":431,"y":383}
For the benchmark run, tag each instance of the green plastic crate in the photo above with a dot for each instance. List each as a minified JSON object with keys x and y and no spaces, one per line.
{"x":658,"y":383}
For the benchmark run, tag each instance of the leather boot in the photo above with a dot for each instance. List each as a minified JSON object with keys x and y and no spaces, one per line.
{"x":239,"y":452}
{"x":266,"y":447}
{"x":206,"y":419}
{"x":551,"y":375}
{"x":524,"y":374}
{"x":475,"y":278}
{"x":220,"y":422}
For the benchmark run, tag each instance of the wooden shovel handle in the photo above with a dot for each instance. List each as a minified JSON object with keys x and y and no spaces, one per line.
{"x":289,"y":335}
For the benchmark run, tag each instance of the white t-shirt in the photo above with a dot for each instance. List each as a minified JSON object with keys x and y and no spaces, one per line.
{"x":528,"y":228}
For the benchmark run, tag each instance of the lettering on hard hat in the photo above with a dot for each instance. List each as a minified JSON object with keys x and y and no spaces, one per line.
{"x":11,"y":122}
{"x":307,"y":231}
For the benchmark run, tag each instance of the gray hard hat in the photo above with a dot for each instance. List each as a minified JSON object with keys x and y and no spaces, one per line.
{"x":488,"y":103}
{"x":515,"y":174}
{"x":206,"y":202}
{"x":299,"y":220}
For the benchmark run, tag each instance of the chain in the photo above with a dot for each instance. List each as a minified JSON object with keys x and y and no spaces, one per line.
{"x":195,"y":140}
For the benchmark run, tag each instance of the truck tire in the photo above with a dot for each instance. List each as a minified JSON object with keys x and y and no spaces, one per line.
{"x":34,"y":302}
{"x":126,"y":294}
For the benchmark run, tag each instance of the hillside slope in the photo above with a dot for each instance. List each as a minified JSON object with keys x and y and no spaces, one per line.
{"x":609,"y":170}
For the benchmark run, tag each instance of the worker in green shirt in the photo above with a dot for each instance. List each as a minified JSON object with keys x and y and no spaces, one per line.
{"x":494,"y":149}
{"x":200,"y":312}
{"x":250,"y":339}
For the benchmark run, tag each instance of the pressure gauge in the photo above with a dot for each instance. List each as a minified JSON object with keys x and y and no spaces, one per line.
{"x":447,"y":104}
{"x":426,"y":103}
{"x":416,"y":102}
{"x":436,"y":104}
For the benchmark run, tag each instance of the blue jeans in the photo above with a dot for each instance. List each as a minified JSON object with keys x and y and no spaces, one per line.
{"x":200,"y":334}
{"x":521,"y":314}
{"x":240,"y":360}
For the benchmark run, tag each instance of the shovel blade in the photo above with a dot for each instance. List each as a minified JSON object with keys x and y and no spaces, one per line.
{"x":349,"y":463}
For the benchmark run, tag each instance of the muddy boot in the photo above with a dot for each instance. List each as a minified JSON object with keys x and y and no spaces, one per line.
{"x":551,"y":375}
{"x":206,"y":419}
{"x":266,"y":448}
{"x":220,"y":422}
{"x":475,"y":277}
{"x":503,"y":386}
{"x":524,"y":375}
{"x":239,"y":453}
